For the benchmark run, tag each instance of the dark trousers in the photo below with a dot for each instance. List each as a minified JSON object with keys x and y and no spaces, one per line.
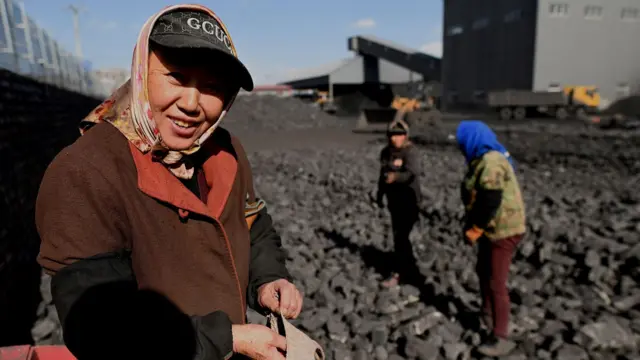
{"x":494,"y":259}
{"x":404,"y":215}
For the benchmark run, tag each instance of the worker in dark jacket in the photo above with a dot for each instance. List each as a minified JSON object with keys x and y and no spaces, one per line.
{"x":495,"y":220}
{"x":400,"y":181}
{"x":156,"y":196}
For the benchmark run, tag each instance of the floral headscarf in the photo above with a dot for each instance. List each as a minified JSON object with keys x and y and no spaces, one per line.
{"x":128,"y":108}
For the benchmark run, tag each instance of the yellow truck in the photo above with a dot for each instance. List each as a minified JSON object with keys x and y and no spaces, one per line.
{"x":573,"y":100}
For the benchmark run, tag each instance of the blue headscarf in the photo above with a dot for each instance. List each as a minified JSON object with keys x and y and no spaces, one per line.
{"x":475,"y":139}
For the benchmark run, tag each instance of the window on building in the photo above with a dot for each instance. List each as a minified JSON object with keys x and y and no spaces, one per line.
{"x":593,"y":12}
{"x":20,"y":41}
{"x":4,"y":43}
{"x":480,"y":23}
{"x":15,"y":10}
{"x":62,"y":55}
{"x":68,"y":64}
{"x":44,"y":59}
{"x":554,"y":87}
{"x":35,"y":41}
{"x":513,"y":16}
{"x":19,"y":31}
{"x":630,"y":14}
{"x":455,"y":30}
{"x":5,"y":30}
{"x":623,"y":90}
{"x":55,"y":54}
{"x":559,"y":10}
{"x":479,"y":96}
{"x":46,"y":40}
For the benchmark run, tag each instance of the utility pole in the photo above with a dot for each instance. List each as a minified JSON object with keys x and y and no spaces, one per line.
{"x":76,"y":28}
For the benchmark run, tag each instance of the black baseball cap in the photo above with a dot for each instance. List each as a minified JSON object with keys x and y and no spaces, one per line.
{"x":189,"y":29}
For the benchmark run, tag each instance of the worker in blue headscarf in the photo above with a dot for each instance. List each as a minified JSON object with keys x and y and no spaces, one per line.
{"x":495,"y":220}
{"x":475,"y":139}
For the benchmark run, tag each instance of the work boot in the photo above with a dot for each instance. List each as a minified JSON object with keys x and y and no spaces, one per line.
{"x":496,"y":346}
{"x":392,"y":281}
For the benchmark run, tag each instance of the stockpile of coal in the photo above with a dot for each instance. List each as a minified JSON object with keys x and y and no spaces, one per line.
{"x":574,"y":280}
{"x":270,"y":114}
{"x":629,"y":106}
{"x":352,"y":104}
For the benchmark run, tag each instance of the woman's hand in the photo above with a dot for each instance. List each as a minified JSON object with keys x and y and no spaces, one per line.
{"x":258,"y":342}
{"x":391,"y":177}
{"x":282,"y":297}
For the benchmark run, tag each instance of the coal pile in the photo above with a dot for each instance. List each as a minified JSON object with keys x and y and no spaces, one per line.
{"x":574,"y":283}
{"x":629,"y":106}
{"x":267,"y":113}
{"x":351,"y":104}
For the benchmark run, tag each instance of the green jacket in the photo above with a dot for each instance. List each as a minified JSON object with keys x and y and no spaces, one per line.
{"x":492,"y":197}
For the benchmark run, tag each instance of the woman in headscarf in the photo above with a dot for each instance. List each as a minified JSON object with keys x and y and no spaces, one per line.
{"x":399,"y":180}
{"x":495,"y":220}
{"x":157,"y":194}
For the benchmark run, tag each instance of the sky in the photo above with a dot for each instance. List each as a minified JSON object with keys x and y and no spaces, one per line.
{"x":275,"y":39}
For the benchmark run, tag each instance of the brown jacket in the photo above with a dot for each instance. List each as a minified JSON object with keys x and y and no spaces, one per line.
{"x":101,"y":195}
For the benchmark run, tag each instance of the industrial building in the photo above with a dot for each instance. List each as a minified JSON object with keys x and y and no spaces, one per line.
{"x":539,"y":45}
{"x":376,"y":64}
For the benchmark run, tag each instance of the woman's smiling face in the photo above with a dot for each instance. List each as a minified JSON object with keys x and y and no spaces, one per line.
{"x":187,"y":95}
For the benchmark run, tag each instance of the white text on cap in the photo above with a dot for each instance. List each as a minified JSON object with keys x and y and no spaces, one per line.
{"x":211,"y":29}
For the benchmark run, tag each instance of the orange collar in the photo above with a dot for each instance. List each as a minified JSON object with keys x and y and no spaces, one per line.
{"x":220,"y":170}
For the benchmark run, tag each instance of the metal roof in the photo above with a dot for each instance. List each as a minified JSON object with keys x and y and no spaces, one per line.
{"x":353,"y":71}
{"x":388,"y":43}
{"x":315,"y":72}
